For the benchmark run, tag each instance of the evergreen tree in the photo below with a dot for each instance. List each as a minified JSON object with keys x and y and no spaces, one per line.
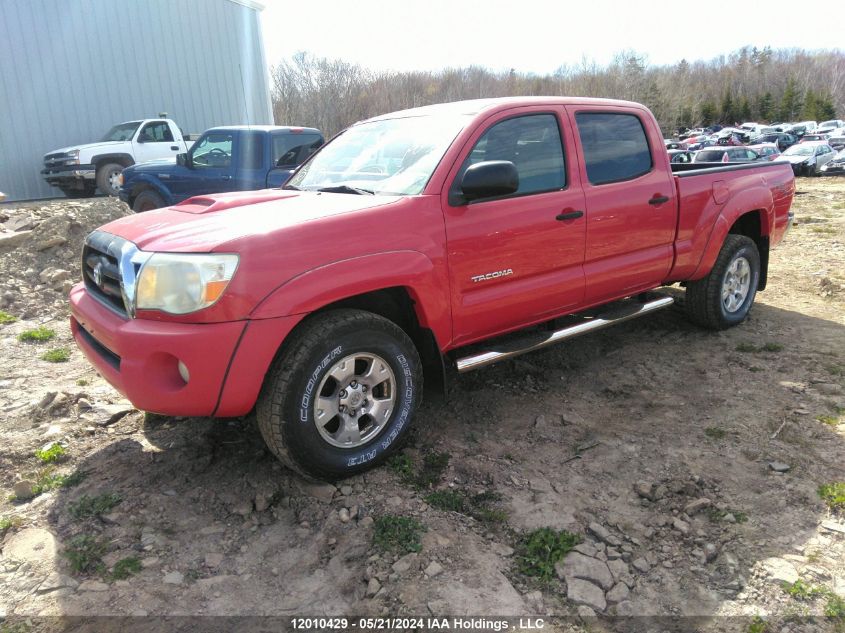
{"x":824,"y":107}
{"x":708,"y":113}
{"x":766,"y":107}
{"x":744,"y":109}
{"x":728,"y":110}
{"x":790,"y":102}
{"x":810,"y":109}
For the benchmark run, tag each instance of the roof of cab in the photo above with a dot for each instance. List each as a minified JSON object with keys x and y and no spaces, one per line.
{"x":294,"y":129}
{"x":476,"y":106}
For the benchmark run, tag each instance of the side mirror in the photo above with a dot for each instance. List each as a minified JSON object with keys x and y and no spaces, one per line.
{"x":489,"y":179}
{"x":277,"y":177}
{"x":184,"y":159}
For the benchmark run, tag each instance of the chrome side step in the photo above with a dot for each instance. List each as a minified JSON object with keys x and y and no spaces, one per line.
{"x":532,"y":342}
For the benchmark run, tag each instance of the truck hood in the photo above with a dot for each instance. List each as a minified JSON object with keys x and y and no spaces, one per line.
{"x":796,"y":158}
{"x":204,"y":223}
{"x":89,"y":147}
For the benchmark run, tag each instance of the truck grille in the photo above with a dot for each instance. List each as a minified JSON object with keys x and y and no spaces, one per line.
{"x":60,"y":159}
{"x":100,"y":269}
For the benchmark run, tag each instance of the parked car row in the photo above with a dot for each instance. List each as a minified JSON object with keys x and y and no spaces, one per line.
{"x":151,"y":163}
{"x":809,"y":147}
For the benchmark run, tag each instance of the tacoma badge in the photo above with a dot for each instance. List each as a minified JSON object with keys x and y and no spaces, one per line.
{"x":488,"y":276}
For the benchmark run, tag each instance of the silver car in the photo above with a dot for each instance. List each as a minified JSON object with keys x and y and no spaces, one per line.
{"x":809,"y":157}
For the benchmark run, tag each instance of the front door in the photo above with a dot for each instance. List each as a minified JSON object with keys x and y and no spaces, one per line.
{"x":212,"y":168}
{"x":154,"y":142}
{"x":516,"y":259}
{"x":630,"y":202}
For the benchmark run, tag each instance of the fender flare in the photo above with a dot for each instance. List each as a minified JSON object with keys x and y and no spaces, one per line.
{"x":119,"y":157}
{"x":755,"y":199}
{"x":146,"y":181}
{"x":408,"y":269}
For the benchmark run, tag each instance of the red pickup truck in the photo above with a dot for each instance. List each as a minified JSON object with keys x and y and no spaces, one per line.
{"x":408,"y":245}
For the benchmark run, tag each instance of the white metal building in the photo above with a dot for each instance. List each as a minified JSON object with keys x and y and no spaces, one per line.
{"x":70,"y":69}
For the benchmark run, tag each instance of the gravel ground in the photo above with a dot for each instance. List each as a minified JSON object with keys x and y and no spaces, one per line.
{"x":683,"y":466}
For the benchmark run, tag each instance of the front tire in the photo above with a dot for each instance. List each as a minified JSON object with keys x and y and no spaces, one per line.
{"x":340,"y":397}
{"x":724,"y":298}
{"x":107,"y":178}
{"x":147,"y":201}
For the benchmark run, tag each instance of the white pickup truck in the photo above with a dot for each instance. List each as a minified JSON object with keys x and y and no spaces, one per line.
{"x":80,"y":169}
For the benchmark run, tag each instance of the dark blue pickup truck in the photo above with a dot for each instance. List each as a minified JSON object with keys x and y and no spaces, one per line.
{"x":235,"y":158}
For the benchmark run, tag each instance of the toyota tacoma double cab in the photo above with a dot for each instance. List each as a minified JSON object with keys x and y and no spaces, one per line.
{"x":79,"y":170}
{"x":410,"y":245}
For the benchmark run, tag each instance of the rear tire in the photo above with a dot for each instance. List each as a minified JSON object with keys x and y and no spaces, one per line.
{"x":147,"y":201}
{"x":724,"y":298}
{"x":340,"y":397}
{"x":107,"y":178}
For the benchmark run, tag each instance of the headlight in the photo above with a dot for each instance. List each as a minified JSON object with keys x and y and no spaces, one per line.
{"x":183,"y":283}
{"x":73,"y":157}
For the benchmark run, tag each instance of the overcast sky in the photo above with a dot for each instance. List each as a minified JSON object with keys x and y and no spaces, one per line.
{"x":536,"y":36}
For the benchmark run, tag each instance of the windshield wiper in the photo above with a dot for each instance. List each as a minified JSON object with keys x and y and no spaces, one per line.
{"x":346,"y":189}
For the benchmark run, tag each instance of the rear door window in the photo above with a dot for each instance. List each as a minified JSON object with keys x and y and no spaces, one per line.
{"x":615,"y":146}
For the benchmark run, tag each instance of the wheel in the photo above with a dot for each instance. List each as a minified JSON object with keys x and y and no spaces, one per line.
{"x":724,"y":297}
{"x":339,"y":399}
{"x":107,"y":178}
{"x":147,"y":201}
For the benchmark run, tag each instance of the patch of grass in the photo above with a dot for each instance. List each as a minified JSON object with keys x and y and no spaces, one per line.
{"x":757,"y":625}
{"x":82,"y":382}
{"x":398,"y":534}
{"x":126,"y":567}
{"x":85,"y":554}
{"x":9,"y":522}
{"x":717,"y":515}
{"x":450,"y":500}
{"x":823,"y":230}
{"x":55,"y":453}
{"x":755,"y":369}
{"x":833,"y":494}
{"x":540,"y":549}
{"x":401,"y":465}
{"x":6,"y":318}
{"x":801,"y":590}
{"x":56,"y":355}
{"x":835,"y":370}
{"x":87,"y":506}
{"x":835,"y":607}
{"x":771,"y":348}
{"x":480,"y":507}
{"x":429,"y":473}
{"x":47,"y":480}
{"x":434,"y":464}
{"x":830,"y":420}
{"x":715,"y":433}
{"x":746,"y":347}
{"x":37,"y":335}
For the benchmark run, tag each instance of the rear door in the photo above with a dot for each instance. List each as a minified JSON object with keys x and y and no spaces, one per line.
{"x":516,"y":259}
{"x":630,"y":201}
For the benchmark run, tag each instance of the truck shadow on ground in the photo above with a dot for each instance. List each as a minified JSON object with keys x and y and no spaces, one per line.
{"x":673,"y":414}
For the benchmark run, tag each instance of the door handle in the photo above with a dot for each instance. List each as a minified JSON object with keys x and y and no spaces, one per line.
{"x":569,"y":215}
{"x":225,"y":177}
{"x":175,"y":148}
{"x":658,"y":200}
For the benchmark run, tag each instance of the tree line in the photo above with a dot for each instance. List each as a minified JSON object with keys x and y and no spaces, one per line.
{"x":764,"y":85}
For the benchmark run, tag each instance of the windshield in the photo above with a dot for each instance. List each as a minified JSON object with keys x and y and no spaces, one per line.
{"x":799,"y":150}
{"x":827,"y":124}
{"x":391,"y":156}
{"x":122,"y":132}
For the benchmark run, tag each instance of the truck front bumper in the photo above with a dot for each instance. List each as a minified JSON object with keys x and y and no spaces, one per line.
{"x":177,"y":368}
{"x":58,"y":176}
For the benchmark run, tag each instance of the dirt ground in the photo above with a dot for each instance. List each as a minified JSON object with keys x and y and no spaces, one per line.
{"x":658,"y":443}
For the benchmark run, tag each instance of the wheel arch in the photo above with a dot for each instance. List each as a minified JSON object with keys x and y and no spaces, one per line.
{"x":121,"y":158}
